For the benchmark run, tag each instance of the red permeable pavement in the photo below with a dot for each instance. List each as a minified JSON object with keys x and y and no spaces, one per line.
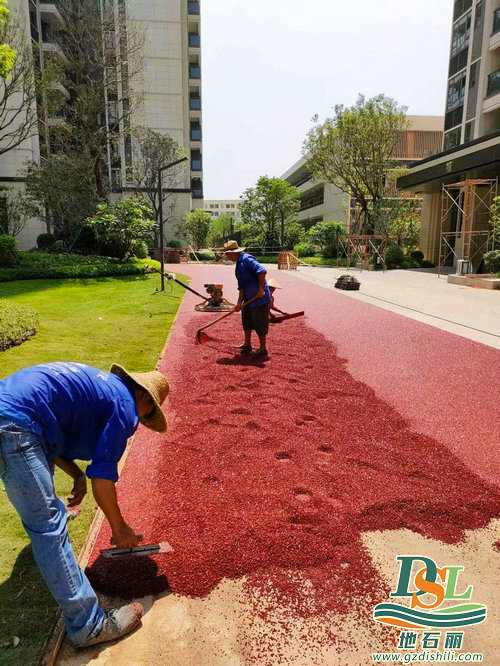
{"x":281,"y":465}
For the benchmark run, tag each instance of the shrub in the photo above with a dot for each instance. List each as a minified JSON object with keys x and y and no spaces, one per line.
{"x":41,"y":265}
{"x":408,"y":262}
{"x":394,"y":256}
{"x":86,"y":241}
{"x":121,"y":224}
{"x":176,"y":244}
{"x":59,"y":246}
{"x":305,"y":249}
{"x":417,"y":255}
{"x":17,"y":324}
{"x":140,"y":250}
{"x":492,"y":261}
{"x":8,"y":255}
{"x":45,"y":242}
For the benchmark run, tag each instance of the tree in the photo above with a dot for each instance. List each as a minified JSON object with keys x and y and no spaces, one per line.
{"x":103,"y":60}
{"x":151,"y":152}
{"x":62,"y":192}
{"x":495,"y":220}
{"x":197,"y":226}
{"x":294,"y":234}
{"x":269,"y":207}
{"x":122,"y":224}
{"x":7,"y":54}
{"x":18,"y":87}
{"x":354,"y":150}
{"x":326,"y":235}
{"x":221,"y":227}
{"x":403,"y":221}
{"x":15,"y":210}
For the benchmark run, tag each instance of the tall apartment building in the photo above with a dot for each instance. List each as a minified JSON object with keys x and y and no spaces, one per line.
{"x":170,"y":88}
{"x":218,"y":207}
{"x":471,"y":147}
{"x":323,"y":201}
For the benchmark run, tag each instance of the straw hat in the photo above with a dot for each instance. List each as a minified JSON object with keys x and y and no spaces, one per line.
{"x":273,"y":283}
{"x":155,"y":384}
{"x":232,"y":246}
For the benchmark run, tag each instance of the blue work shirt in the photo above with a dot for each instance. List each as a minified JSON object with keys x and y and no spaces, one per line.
{"x":248,"y":270}
{"x":80,"y":412}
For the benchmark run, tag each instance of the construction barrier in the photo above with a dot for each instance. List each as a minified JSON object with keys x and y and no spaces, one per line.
{"x":288,"y":261}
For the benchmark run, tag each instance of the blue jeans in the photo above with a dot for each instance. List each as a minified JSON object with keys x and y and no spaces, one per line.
{"x":29,"y":484}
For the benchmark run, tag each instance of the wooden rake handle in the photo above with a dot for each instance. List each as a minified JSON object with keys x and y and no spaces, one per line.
{"x":228,"y":314}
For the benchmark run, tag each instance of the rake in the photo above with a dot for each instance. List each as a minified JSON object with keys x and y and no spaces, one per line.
{"x":202,"y":337}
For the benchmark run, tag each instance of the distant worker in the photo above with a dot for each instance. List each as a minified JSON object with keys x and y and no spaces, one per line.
{"x":54,"y":414}
{"x":251,"y":278}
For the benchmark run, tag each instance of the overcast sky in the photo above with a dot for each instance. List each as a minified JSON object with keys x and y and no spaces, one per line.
{"x":270,"y":65}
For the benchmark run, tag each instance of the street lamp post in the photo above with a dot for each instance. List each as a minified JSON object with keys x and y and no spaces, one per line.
{"x":160,"y":194}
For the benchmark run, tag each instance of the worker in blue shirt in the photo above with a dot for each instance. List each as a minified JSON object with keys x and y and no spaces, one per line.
{"x":54,"y":414}
{"x":251,"y":278}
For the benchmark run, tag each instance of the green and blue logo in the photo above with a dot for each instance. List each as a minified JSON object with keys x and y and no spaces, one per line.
{"x":441,"y":582}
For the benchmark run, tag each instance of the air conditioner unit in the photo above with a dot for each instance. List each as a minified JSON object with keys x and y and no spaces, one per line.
{"x":464,"y":267}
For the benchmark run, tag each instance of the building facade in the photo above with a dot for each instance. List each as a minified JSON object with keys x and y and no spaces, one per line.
{"x":323,"y":201}
{"x":169,"y":89}
{"x":471,"y":147}
{"x":217,"y":207}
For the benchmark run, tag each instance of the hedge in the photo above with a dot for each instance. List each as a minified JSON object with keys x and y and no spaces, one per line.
{"x":17,"y":324}
{"x":41,"y":265}
{"x":8,"y":255}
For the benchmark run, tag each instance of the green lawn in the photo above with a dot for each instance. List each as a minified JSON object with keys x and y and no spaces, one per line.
{"x":94,"y":321}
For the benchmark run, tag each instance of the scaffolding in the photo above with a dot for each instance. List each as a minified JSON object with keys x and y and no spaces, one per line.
{"x":361,"y":249}
{"x":462,"y":205}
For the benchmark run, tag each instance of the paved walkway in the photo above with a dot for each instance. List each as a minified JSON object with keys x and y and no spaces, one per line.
{"x":440,"y":388}
{"x":423,"y":296}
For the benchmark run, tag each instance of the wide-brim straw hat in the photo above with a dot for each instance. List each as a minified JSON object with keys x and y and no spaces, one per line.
{"x":273,"y":283}
{"x":232,"y":246}
{"x":155,"y":384}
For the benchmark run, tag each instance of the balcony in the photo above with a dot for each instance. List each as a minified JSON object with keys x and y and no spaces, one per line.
{"x":194,"y":72}
{"x":492,"y":101}
{"x":51,"y":14}
{"x":194,"y":40}
{"x":495,"y":35}
{"x":193,"y":8}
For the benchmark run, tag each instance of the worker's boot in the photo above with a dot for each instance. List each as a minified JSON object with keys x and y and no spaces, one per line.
{"x":117,"y":623}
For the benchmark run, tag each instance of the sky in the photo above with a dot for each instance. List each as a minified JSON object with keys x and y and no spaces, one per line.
{"x":268,"y":66}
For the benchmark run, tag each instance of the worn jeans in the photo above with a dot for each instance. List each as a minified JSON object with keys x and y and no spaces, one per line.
{"x":29,"y":484}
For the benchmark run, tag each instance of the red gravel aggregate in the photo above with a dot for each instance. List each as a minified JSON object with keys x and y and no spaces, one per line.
{"x":271,"y":470}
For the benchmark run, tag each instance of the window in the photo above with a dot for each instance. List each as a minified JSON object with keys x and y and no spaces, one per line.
{"x":461,"y":35}
{"x":216,"y":205}
{"x":496,"y":21}
{"x":456,"y":91}
{"x":452,"y":139}
{"x":493,"y":83}
{"x":461,"y":6}
{"x":228,"y":205}
{"x":479,"y":15}
{"x":473,"y":75}
{"x":194,"y":39}
{"x":469,"y":131}
{"x":196,"y":188}
{"x":194,"y":72}
{"x":193,"y":7}
{"x":195,"y":102}
{"x":195,"y":131}
{"x":195,"y":160}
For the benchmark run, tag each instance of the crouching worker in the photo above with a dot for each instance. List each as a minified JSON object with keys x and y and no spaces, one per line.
{"x":273,"y":285}
{"x":54,"y":414}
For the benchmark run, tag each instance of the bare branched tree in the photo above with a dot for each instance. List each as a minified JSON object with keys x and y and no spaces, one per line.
{"x":103,"y":55}
{"x":152,"y":151}
{"x":18,"y":93}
